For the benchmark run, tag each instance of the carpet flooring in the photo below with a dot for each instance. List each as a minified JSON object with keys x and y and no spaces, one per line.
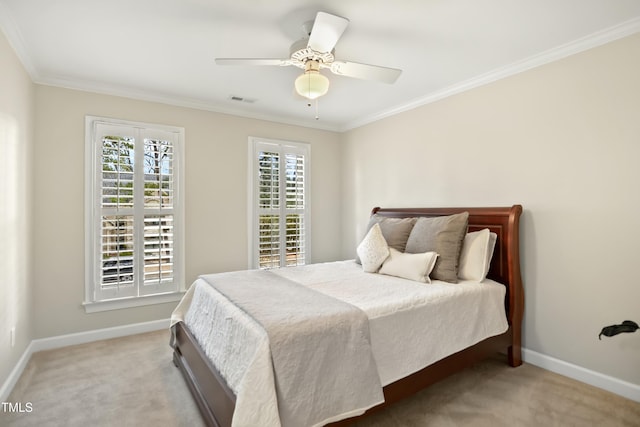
{"x":132,"y":381}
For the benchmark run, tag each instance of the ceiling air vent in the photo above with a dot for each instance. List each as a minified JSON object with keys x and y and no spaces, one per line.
{"x":241,"y":99}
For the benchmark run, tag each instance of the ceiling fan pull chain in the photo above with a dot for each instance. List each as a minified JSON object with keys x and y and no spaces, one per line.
{"x":317,"y":115}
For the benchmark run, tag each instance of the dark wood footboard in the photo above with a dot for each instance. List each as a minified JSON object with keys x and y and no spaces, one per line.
{"x":214,"y":398}
{"x":216,"y":401}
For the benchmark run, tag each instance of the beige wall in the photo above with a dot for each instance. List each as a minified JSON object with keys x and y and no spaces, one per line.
{"x":216,"y":198}
{"x":16,"y":142}
{"x":564,"y":141}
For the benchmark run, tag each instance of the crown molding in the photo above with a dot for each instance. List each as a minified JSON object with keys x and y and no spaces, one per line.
{"x":16,"y":41}
{"x":148,"y":96}
{"x":591,"y":41}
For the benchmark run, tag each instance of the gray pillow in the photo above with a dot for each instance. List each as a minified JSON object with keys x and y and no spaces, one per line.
{"x":396,"y":231}
{"x":443,"y":235}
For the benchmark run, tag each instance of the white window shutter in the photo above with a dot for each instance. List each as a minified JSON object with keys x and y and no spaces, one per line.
{"x":135,"y":211}
{"x":279,"y":203}
{"x":295,"y":235}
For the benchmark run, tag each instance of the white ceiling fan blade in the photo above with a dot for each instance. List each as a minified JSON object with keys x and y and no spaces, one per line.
{"x":365,"y":71}
{"x":326,"y":31}
{"x":252,"y":61}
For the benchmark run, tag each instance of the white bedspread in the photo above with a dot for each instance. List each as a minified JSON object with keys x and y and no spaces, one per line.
{"x":412,"y":325}
{"x":269,"y":334}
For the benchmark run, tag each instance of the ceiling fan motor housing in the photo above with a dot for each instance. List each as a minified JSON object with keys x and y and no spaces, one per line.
{"x":301,"y":53}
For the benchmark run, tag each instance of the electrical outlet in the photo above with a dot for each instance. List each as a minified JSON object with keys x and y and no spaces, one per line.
{"x":13,"y":336}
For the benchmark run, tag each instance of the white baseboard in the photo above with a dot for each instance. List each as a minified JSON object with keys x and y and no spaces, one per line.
{"x":73,"y":339}
{"x":596,"y":379}
{"x":17,"y":370}
{"x":99,"y":334}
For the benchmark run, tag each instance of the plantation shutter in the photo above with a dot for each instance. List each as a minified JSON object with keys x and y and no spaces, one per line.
{"x":158,"y":229}
{"x":269,"y":208}
{"x":134,"y":219}
{"x":294,"y":209}
{"x":116,"y":238}
{"x":280,"y":213}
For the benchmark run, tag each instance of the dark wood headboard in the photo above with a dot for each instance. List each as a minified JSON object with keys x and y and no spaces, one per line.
{"x":505,"y":265}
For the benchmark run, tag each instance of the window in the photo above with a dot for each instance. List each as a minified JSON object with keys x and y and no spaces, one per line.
{"x":134,"y":211}
{"x":279,"y":203}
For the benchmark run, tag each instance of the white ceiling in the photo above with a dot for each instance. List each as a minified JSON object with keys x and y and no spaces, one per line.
{"x":164,"y":50}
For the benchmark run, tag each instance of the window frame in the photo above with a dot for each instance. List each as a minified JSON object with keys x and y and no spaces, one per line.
{"x":95,"y":298}
{"x":283,"y":147}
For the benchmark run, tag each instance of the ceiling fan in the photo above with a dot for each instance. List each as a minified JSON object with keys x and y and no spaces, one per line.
{"x":316,"y":52}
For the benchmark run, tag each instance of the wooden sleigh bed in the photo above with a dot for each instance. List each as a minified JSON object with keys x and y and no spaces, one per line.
{"x":216,"y":400}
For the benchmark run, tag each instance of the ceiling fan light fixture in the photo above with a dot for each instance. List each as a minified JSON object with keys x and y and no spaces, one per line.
{"x":311,"y":84}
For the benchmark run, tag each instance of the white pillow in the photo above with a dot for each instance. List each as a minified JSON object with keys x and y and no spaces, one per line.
{"x":476,"y":254}
{"x":492,"y":245}
{"x":409,"y":266}
{"x":373,"y":250}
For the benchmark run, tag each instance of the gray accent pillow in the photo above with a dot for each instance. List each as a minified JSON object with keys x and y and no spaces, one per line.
{"x":443,"y":235}
{"x":396,"y":231}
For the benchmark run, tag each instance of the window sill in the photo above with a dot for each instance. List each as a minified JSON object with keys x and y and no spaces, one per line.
{"x":117,"y":304}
